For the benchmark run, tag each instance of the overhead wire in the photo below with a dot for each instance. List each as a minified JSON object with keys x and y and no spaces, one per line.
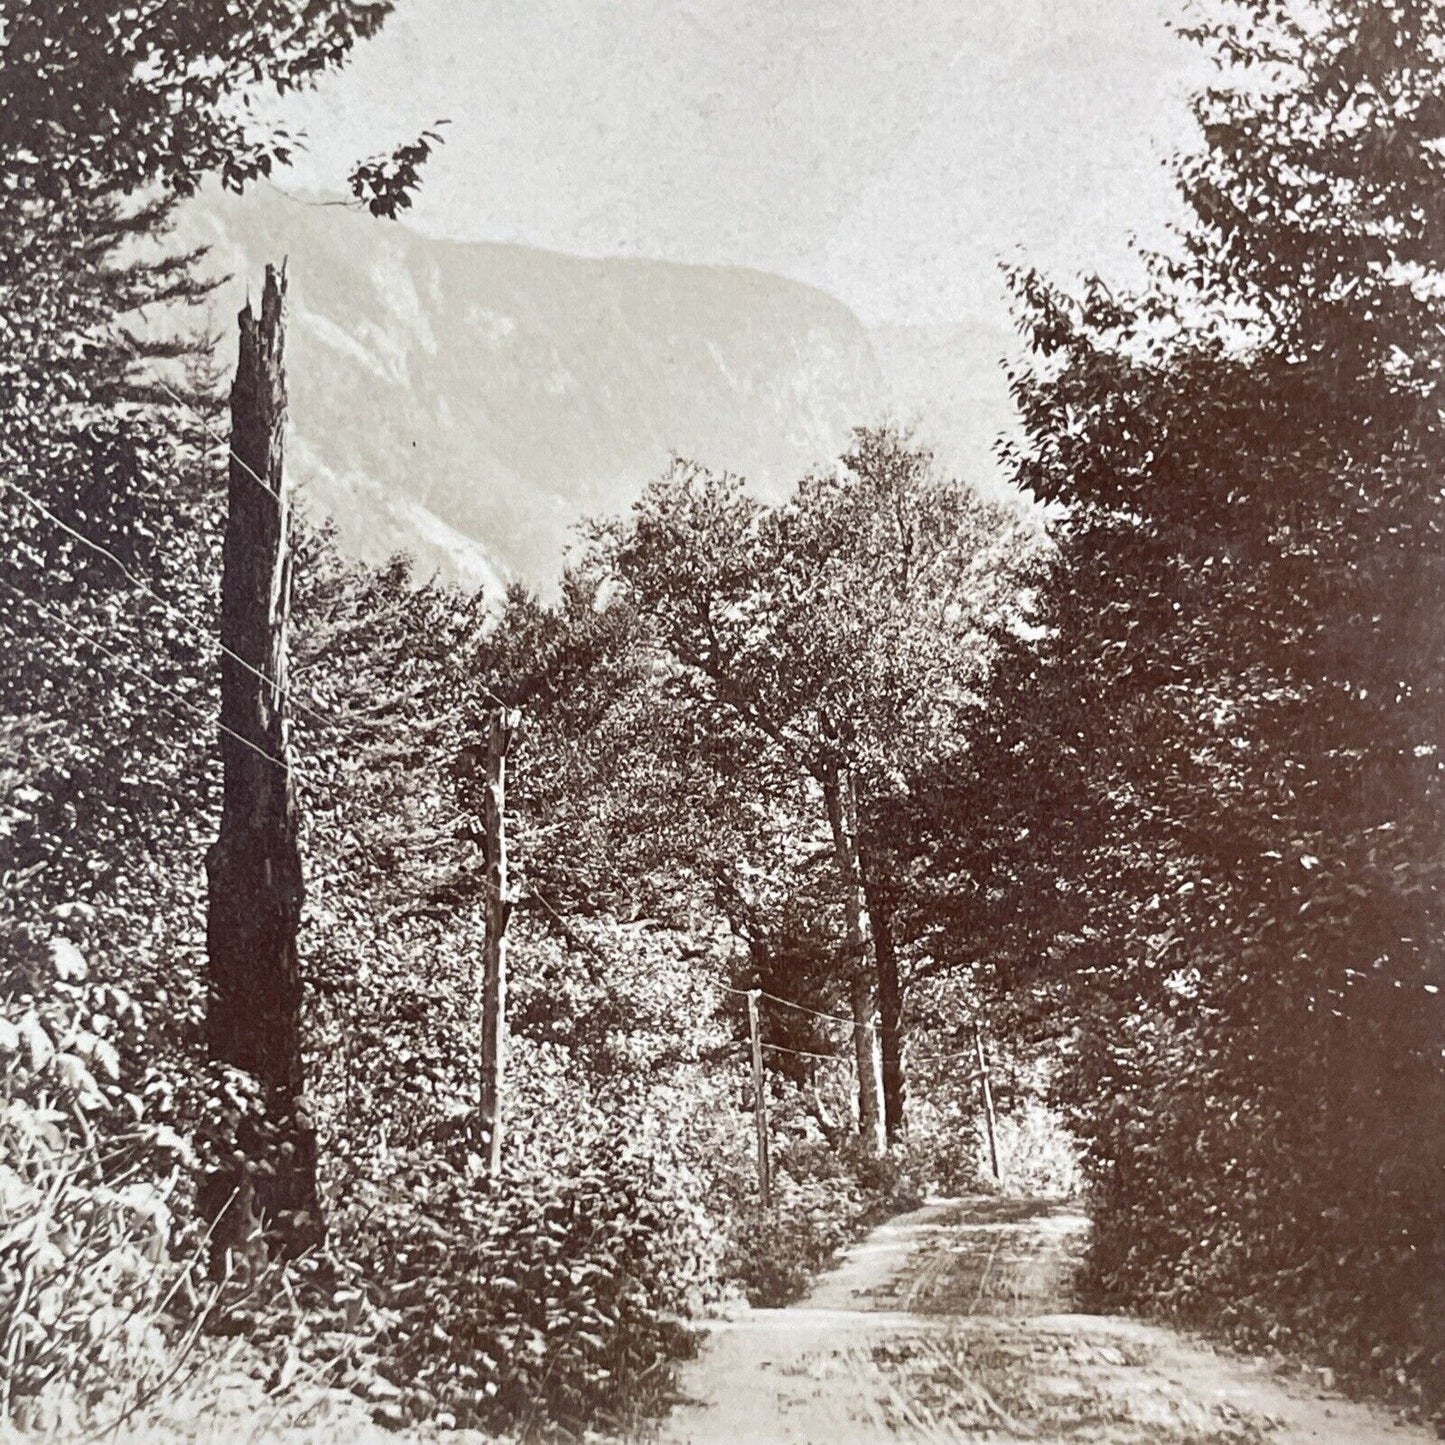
{"x":144,"y":676}
{"x":818,"y":1014}
{"x":235,"y":456}
{"x":248,"y":471}
{"x":788,"y":1003}
{"x":848,"y":1058}
{"x":285,"y":694}
{"x":837,"y":1019}
{"x":799,"y":1053}
{"x":276,"y":498}
{"x":220,"y":441}
{"x":170,"y":607}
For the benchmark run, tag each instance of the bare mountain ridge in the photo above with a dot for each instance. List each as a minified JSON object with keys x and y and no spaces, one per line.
{"x":469,"y":402}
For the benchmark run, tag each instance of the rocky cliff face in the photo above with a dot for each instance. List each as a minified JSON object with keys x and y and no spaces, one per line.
{"x":470,"y":402}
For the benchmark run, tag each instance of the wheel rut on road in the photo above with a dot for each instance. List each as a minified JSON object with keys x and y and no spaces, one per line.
{"x":959,"y":1322}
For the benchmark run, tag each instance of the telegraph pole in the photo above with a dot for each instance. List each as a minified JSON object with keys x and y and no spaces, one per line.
{"x":760,"y":1102}
{"x":501,"y":727}
{"x":988,"y":1115}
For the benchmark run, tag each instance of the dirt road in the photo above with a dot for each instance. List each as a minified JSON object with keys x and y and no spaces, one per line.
{"x":955,"y":1323}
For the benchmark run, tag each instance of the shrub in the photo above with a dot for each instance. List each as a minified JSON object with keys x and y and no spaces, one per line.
{"x":774,"y":1254}
{"x":823,"y":1199}
{"x":537,"y":1301}
{"x":1204,"y":1166}
{"x":951,"y":1161}
{"x":1037,"y":1154}
{"x":86,"y":1278}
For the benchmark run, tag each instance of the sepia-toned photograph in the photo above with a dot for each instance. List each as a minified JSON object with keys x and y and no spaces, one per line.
{"x":721,"y":722}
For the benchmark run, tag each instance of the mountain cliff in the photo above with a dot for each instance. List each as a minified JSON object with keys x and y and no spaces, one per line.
{"x":470,"y":402}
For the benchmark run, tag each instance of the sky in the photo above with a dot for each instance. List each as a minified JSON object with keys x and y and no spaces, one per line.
{"x":890,"y":152}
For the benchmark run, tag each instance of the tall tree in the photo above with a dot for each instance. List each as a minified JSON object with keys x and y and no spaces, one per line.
{"x":1245,"y":662}
{"x":111,"y":112}
{"x":110,"y":484}
{"x":848,"y":629}
{"x":105,"y":97}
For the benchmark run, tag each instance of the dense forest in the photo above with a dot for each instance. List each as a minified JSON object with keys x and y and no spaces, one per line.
{"x":1119,"y":787}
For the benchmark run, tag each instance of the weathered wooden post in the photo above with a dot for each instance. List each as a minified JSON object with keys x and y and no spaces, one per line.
{"x":253,"y":1009}
{"x":839,"y":800}
{"x":501,"y":726}
{"x":988,"y":1115}
{"x":760,"y":1102}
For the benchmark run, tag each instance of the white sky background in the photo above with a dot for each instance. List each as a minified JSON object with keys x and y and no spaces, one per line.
{"x":887,"y":151}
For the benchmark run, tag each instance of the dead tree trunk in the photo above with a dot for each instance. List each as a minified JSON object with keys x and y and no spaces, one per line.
{"x":837,"y":795}
{"x":498,"y":901}
{"x":253,"y":1012}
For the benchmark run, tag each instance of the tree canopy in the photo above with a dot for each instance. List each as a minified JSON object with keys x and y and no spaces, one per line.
{"x":1245,"y":677}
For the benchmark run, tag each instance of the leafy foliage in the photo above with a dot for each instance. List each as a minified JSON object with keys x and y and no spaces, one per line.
{"x":105,"y":96}
{"x":387,"y":183}
{"x":847,"y":633}
{"x":824,"y":1199}
{"x":1237,"y":713}
{"x":1159,"y":794}
{"x":547,"y":1300}
{"x":91,"y":1194}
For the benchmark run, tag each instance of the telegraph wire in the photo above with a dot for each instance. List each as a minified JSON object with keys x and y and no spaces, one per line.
{"x":170,"y":607}
{"x":817,"y":1014}
{"x":837,"y":1019}
{"x":801,"y":1053}
{"x":233,"y":455}
{"x":788,"y":1003}
{"x":144,"y":676}
{"x":848,"y":1058}
{"x":200,"y":416}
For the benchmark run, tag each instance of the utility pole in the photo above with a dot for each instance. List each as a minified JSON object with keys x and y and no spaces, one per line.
{"x":501,"y":727}
{"x":990,"y":1122}
{"x":760,"y":1102}
{"x":253,"y":1009}
{"x":859,"y":954}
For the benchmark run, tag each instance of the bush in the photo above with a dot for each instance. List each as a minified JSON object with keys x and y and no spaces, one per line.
{"x":1037,"y":1154}
{"x":86,"y":1278}
{"x":1218,"y":1200}
{"x":952,"y":1160}
{"x":823,"y":1199}
{"x":948,"y":1134}
{"x":774,"y":1254}
{"x":538,"y":1301}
